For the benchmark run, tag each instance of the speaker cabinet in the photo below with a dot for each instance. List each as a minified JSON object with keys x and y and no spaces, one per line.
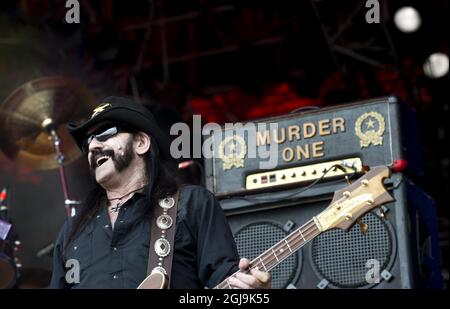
{"x":400,"y":250}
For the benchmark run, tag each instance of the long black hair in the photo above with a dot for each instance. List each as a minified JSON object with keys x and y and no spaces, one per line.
{"x":163,"y":181}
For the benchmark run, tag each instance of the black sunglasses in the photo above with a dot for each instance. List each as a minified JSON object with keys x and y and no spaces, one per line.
{"x":102,"y":135}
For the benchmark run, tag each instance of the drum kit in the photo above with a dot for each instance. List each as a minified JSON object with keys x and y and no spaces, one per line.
{"x":33,"y":135}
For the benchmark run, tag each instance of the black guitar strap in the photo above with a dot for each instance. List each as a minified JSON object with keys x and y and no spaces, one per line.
{"x":163,"y":235}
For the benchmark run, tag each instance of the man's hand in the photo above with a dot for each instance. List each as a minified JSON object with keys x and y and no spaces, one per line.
{"x":256,"y":279}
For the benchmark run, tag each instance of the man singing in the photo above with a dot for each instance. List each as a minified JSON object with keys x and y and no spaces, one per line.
{"x":110,"y":235}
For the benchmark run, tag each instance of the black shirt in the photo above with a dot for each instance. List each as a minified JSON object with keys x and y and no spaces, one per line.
{"x":205,"y":252}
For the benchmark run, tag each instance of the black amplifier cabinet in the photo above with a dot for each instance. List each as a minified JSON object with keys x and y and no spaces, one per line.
{"x":375,"y":132}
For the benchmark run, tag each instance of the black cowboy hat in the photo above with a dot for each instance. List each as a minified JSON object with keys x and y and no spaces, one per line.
{"x":126,"y":112}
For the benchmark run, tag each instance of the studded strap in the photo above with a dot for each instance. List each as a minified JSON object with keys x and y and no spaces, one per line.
{"x":162,"y":236}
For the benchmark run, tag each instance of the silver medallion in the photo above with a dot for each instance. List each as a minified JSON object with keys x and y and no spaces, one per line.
{"x":164,"y":222}
{"x":162,"y":247}
{"x":167,"y":202}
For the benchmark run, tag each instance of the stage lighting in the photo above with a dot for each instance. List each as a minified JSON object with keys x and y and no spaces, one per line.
{"x":407,"y":19}
{"x":436,"y":65}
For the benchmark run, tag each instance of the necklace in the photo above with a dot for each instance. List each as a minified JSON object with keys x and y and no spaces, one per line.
{"x":117,"y":207}
{"x":119,"y":203}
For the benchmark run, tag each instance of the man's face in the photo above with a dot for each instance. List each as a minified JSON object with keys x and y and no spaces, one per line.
{"x":110,"y":154}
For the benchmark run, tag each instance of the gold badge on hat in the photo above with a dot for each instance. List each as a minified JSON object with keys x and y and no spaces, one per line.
{"x":365,"y":129}
{"x":100,"y":108}
{"x":236,"y":154}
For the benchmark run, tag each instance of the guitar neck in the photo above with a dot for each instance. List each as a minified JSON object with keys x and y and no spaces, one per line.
{"x":281,"y":250}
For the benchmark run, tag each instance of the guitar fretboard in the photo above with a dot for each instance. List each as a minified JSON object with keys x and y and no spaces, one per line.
{"x":281,"y":250}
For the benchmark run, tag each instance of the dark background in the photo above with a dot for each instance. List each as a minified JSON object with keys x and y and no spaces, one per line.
{"x":226,"y":60}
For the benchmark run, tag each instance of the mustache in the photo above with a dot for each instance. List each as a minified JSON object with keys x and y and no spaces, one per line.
{"x":96,"y":153}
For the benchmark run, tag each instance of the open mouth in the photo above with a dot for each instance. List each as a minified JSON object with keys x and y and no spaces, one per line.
{"x":101,"y":160}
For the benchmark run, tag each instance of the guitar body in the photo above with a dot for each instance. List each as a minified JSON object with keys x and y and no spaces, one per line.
{"x":156,"y":280}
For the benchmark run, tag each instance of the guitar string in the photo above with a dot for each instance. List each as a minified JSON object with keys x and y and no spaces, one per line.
{"x":293,"y":240}
{"x":270,"y":259}
{"x":304,"y":229}
{"x":305,"y":233}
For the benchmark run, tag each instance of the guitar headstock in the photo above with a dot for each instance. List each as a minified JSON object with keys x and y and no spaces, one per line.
{"x":355,"y":200}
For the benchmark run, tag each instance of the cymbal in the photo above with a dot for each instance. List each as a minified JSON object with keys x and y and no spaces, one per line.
{"x":23,"y":137}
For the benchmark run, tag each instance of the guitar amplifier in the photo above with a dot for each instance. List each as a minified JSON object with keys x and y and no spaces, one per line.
{"x":281,"y":153}
{"x":399,"y":250}
{"x":265,"y":202}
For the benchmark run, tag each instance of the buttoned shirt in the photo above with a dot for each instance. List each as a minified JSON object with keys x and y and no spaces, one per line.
{"x":204,"y":251}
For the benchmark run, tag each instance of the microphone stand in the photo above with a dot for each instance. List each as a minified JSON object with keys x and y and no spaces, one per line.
{"x":69,"y":204}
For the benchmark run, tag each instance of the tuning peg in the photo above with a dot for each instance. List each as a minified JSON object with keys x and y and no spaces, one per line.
{"x":365,"y":168}
{"x":348,"y":180}
{"x":363,"y":227}
{"x":382,"y":213}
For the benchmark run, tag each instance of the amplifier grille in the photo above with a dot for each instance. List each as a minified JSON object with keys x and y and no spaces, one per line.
{"x":255,"y":238}
{"x":340,"y":257}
